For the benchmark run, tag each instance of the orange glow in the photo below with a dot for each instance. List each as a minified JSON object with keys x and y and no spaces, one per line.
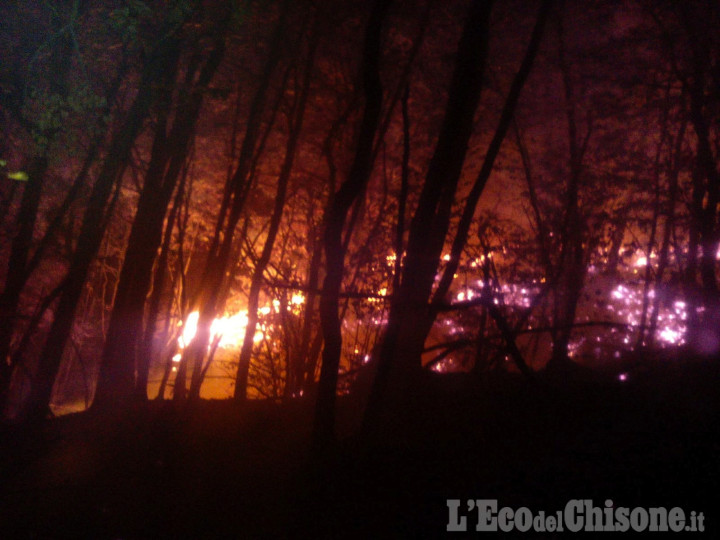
{"x":230,"y":328}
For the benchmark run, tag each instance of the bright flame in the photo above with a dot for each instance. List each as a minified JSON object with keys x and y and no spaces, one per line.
{"x":231,"y":329}
{"x":189,"y":329}
{"x":671,"y":335}
{"x":619,"y":293}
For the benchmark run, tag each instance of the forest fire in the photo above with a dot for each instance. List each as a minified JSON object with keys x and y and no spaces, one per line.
{"x":671,"y":318}
{"x":230,"y":329}
{"x":457,"y":228}
{"x":515,"y":259}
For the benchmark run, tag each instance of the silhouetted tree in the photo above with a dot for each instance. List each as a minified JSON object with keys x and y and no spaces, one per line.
{"x":120,"y":362}
{"x":159,"y":67}
{"x":334,"y":224}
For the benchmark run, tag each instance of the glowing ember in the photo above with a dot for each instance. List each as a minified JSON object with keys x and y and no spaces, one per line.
{"x":670,"y":335}
{"x":620,"y":292}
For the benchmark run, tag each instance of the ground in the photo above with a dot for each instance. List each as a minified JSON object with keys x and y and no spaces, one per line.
{"x":216,"y":471}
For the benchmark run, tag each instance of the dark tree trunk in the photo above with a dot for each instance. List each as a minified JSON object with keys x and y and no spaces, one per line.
{"x":119,"y":363}
{"x":297,"y":117}
{"x":700,"y":80}
{"x":403,"y":194}
{"x":707,"y":166}
{"x":643,"y":338}
{"x":571,"y":266}
{"x":669,"y":226}
{"x":146,"y":352}
{"x":410,"y":319}
{"x":210,"y":296}
{"x":334,"y":224}
{"x":692,"y":290}
{"x":20,"y":265}
{"x":492,"y":153}
{"x":17,"y":277}
{"x":297,"y":377}
{"x":17,"y":267}
{"x":707,"y":337}
{"x":479,"y":185}
{"x":158,"y":68}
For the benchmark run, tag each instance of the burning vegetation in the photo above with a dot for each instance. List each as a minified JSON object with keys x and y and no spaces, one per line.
{"x":213,"y":202}
{"x":356,"y":221}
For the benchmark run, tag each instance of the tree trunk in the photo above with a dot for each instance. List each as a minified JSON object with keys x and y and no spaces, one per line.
{"x":119,"y":362}
{"x":17,"y":267}
{"x":20,"y":265}
{"x":159,"y":67}
{"x":334,"y":224}
{"x":210,"y":295}
{"x":669,"y":226}
{"x":297,"y":117}
{"x":571,"y":266}
{"x":410,"y":319}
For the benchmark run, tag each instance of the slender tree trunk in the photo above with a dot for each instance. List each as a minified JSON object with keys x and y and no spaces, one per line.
{"x":707,"y":165}
{"x":692,"y":289}
{"x":571,"y":267}
{"x":648,"y":278}
{"x":403,"y":194}
{"x":654,"y":225}
{"x":701,"y":83}
{"x":669,"y":226}
{"x":483,"y":176}
{"x":297,"y":379}
{"x":17,"y":267}
{"x":236,"y":191}
{"x":145,"y":351}
{"x":297,"y":117}
{"x":334,"y":224}
{"x":492,"y":153}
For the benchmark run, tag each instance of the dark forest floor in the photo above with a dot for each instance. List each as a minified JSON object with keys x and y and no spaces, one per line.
{"x":653,"y":440}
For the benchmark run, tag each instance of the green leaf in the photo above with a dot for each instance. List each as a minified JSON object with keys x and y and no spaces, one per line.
{"x":20,"y":176}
